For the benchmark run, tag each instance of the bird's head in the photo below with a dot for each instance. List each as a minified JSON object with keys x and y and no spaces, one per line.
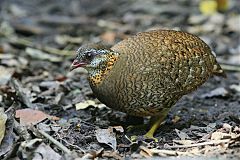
{"x":91,"y":57}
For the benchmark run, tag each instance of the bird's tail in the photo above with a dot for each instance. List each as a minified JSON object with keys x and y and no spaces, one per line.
{"x":218,"y":71}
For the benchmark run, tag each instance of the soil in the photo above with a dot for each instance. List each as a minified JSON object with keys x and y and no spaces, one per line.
{"x":38,"y":43}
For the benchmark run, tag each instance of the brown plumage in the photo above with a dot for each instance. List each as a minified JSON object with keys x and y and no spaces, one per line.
{"x":148,"y":73}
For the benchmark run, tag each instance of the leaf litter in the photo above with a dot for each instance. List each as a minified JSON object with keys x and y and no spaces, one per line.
{"x":67,"y":121}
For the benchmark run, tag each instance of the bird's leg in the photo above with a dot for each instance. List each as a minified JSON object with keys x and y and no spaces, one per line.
{"x":155,"y":122}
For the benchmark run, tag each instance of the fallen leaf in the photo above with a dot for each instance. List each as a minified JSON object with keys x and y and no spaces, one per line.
{"x":107,"y":136}
{"x":38,"y":54}
{"x":182,"y":135}
{"x":85,"y":104}
{"x":227,"y":127}
{"x":29,"y":116}
{"x":220,"y":135}
{"x":218,"y":92}
{"x":236,"y":129}
{"x":222,"y":5}
{"x":8,"y":140}
{"x":44,"y":127}
{"x":64,"y":39}
{"x":35,"y":149}
{"x":235,"y":87}
{"x":231,"y":23}
{"x":44,"y":151}
{"x":3,"y":119}
{"x":118,"y":128}
{"x":208,"y":7}
{"x":49,"y":84}
{"x":6,"y":56}
{"x":5,"y":75}
{"x":93,"y":154}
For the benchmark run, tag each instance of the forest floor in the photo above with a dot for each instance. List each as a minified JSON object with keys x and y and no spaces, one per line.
{"x":43,"y":103}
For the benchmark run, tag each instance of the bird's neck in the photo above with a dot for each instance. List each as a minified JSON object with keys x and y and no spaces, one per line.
{"x":97,"y":75}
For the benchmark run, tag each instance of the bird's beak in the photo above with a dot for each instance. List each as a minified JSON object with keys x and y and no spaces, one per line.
{"x":76,"y":64}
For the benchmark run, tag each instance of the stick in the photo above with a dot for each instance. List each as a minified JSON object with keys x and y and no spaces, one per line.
{"x":216,"y":142}
{"x":74,"y":146}
{"x":54,"y":141}
{"x":229,"y":67}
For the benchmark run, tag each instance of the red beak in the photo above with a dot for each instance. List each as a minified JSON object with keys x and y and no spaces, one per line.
{"x":76,"y":64}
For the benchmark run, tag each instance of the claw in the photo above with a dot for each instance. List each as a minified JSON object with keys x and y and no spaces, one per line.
{"x":135,"y":138}
{"x":148,"y":136}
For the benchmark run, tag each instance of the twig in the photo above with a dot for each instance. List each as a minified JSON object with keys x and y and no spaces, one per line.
{"x":54,"y":141}
{"x":75,"y":146}
{"x":229,"y":67}
{"x":58,"y":51}
{"x":215,"y":142}
{"x":22,"y":131}
{"x":163,"y":152}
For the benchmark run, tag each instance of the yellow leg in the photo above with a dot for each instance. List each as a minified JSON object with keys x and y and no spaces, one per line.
{"x":156,"y":122}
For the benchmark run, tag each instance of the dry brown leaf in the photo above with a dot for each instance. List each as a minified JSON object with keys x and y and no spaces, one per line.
{"x":29,"y":116}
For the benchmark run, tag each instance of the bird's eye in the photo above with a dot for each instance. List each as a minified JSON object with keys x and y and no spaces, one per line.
{"x":89,"y":55}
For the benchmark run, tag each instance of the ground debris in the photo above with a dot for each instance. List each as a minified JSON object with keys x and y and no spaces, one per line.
{"x":37,"y":46}
{"x":218,"y":92}
{"x":107,"y":136}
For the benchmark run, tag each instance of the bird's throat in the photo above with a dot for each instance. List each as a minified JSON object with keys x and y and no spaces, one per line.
{"x":97,"y":75}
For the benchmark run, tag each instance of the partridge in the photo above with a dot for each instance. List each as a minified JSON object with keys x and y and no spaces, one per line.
{"x":146,"y":74}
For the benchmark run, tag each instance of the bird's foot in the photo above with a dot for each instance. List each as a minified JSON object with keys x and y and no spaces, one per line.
{"x":146,"y":137}
{"x":149,"y":136}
